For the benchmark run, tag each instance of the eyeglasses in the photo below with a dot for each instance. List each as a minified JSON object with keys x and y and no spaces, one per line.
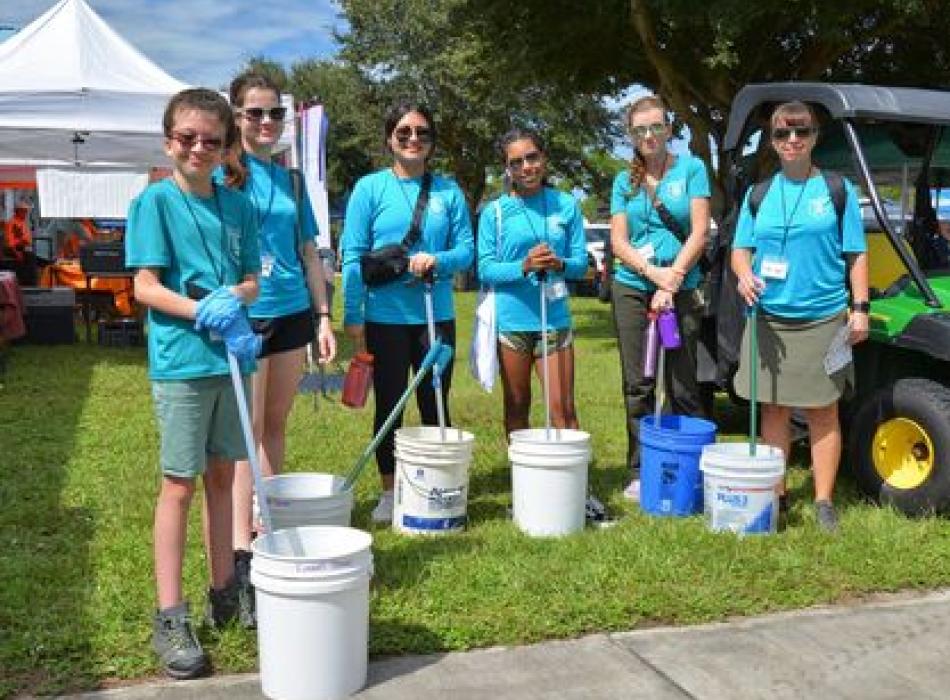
{"x":516,"y":164}
{"x":256,"y":114}
{"x":404,"y":133}
{"x":188,"y":141}
{"x":641,"y":132}
{"x":784,"y":133}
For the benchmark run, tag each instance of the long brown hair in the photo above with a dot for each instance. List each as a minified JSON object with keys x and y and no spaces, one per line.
{"x":235,"y":171}
{"x":638,"y":166}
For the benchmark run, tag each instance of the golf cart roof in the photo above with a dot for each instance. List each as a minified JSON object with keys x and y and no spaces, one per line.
{"x":842,"y":101}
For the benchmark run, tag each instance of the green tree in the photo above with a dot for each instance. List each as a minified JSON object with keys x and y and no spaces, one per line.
{"x":698,"y":55}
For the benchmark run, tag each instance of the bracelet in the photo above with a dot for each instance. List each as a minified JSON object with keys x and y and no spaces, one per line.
{"x":861,"y":307}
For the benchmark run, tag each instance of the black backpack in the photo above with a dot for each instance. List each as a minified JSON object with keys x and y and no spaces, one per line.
{"x":833,"y":181}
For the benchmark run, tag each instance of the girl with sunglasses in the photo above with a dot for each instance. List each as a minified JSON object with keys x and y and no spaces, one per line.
{"x":389,"y":319}
{"x":794,"y":263}
{"x":659,"y":220}
{"x":531,"y":233}
{"x":292,"y":309}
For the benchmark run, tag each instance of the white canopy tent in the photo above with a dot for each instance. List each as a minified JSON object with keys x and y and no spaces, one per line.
{"x":72,"y":91}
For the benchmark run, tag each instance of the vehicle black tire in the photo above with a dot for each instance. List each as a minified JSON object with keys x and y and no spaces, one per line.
{"x":913,"y":405}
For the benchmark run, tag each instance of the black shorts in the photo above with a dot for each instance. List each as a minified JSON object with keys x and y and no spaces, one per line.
{"x":283,"y":333}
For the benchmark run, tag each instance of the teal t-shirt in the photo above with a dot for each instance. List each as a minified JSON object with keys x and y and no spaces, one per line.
{"x":282,"y":282}
{"x":378,"y":214}
{"x":206,"y":241}
{"x":548,"y":216}
{"x":683,"y":182}
{"x":796,"y":226}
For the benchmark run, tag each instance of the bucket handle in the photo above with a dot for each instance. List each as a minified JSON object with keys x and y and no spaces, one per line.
{"x":433,"y":494}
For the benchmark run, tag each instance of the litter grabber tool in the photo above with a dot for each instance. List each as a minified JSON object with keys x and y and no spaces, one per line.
{"x":436,"y":359}
{"x":198,"y":293}
{"x":752,"y":318}
{"x":543,"y":282}
{"x":436,"y":370}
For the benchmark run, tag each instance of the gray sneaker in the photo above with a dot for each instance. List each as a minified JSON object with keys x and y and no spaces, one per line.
{"x":177,"y":646}
{"x":223,"y":606}
{"x":827,"y":516}
{"x":247,"y":613}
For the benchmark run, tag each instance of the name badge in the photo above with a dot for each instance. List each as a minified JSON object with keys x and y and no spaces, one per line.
{"x":555,"y":290}
{"x":646,"y":252}
{"x":774,"y":268}
{"x":267,"y":265}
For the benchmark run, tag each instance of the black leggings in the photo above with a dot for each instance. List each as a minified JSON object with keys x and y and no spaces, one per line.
{"x":396,"y":348}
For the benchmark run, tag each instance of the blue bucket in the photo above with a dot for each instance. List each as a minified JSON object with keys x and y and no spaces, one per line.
{"x":670,"y":481}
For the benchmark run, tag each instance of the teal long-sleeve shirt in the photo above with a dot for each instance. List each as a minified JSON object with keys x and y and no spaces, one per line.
{"x":548,"y":216}
{"x":378,"y":214}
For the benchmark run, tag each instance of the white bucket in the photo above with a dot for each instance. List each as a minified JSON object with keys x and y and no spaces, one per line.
{"x":740,"y":491}
{"x":549,"y":480}
{"x":307,"y":498}
{"x":431,"y":479}
{"x":312,"y":592}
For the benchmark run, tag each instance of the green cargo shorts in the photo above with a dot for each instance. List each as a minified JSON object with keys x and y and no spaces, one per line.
{"x":197,"y":418}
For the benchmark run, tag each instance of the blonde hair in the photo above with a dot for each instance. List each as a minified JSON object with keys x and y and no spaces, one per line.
{"x":638,"y":166}
{"x":793,"y":113}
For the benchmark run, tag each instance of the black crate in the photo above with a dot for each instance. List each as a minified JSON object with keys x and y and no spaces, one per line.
{"x":48,"y":313}
{"x":103,"y":258}
{"x":121,"y":332}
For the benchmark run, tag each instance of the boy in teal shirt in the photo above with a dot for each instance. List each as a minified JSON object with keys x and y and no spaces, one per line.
{"x":185,"y":233}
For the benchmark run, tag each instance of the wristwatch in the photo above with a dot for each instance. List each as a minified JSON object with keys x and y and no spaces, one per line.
{"x":861,"y":307}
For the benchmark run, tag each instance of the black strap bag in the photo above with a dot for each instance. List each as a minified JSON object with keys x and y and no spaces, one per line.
{"x":390,"y":262}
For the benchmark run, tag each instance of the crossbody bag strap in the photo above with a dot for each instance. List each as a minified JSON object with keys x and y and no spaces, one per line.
{"x":296,"y":184}
{"x":415,"y":228}
{"x":666,"y":217}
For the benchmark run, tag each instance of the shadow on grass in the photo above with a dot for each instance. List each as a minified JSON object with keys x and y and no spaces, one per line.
{"x":45,"y":577}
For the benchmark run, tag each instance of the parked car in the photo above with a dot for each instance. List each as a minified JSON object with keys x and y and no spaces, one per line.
{"x":597,"y":236}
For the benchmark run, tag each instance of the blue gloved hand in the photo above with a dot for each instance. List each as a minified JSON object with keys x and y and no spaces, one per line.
{"x":241,"y":340}
{"x":218,"y":310}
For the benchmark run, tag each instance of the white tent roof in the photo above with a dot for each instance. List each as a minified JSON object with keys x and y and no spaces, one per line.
{"x":71,"y":86}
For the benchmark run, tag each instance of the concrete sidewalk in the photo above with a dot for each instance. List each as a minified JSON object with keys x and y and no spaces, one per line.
{"x":897,"y":648}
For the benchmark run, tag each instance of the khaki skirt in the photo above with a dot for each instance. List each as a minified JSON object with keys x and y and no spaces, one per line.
{"x":791,"y":362}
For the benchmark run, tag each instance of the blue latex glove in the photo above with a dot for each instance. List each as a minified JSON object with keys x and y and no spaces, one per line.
{"x":241,"y":340}
{"x":218,"y":310}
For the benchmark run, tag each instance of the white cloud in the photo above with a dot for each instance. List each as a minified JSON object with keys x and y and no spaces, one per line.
{"x":205,"y":42}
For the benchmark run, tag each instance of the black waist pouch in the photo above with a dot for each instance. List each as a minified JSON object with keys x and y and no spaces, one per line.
{"x":384,"y":265}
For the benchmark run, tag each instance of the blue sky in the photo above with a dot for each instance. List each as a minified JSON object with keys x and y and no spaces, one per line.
{"x":205,"y":42}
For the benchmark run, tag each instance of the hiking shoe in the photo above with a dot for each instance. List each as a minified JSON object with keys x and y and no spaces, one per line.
{"x":383,"y":512}
{"x":594,"y":510}
{"x":176,"y":645}
{"x":247,"y":609}
{"x":224,"y":605}
{"x":827,"y":516}
{"x":632,"y":492}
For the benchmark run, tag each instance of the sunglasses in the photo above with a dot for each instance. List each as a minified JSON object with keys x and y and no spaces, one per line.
{"x":188,"y":141}
{"x":784,"y":133}
{"x":404,"y":133}
{"x":516,"y":164}
{"x":641,"y":132}
{"x":256,"y":114}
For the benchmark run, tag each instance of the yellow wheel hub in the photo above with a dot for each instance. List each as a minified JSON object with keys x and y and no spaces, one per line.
{"x":903,"y":453}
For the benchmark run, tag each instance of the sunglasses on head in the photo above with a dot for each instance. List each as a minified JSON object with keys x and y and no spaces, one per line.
{"x":784,"y":133}
{"x":404,"y":133}
{"x":188,"y":141}
{"x":256,"y":114}
{"x":532,"y":158}
{"x":641,"y":132}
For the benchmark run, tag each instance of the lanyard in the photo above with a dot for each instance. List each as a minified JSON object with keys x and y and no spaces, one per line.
{"x":544,"y":210}
{"x":218,"y":274}
{"x":787,"y":220}
{"x":261,"y":217}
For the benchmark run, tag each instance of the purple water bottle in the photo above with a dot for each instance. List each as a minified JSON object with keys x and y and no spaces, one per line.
{"x":650,"y":347}
{"x":669,"y":329}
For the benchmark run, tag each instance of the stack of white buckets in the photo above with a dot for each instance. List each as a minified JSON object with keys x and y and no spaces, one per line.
{"x":549,"y":480}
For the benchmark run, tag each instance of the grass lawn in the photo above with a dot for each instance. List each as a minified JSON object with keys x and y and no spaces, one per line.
{"x":79,"y":475}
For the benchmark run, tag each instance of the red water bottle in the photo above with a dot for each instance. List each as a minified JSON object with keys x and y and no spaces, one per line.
{"x":358,"y":380}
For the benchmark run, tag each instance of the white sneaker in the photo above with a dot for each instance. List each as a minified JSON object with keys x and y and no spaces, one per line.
{"x":632,"y":492}
{"x":383,"y":512}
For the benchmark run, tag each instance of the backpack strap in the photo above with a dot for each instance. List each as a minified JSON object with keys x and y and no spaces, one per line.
{"x":835,"y":184}
{"x":759,"y":190}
